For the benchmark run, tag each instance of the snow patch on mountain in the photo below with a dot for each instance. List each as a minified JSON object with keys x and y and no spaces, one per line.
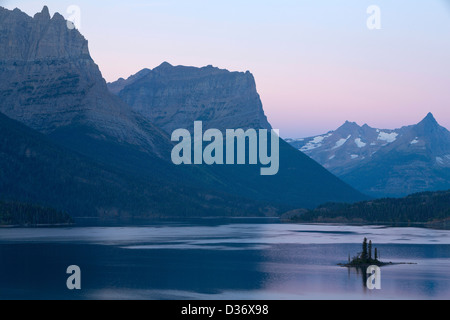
{"x":388,"y":137}
{"x":313,"y":144}
{"x":341,"y":142}
{"x":360,"y":143}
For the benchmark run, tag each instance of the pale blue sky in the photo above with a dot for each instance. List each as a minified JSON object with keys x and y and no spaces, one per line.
{"x":315,"y":61}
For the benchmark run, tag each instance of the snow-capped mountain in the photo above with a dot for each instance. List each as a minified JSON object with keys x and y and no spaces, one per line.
{"x":385,"y":162}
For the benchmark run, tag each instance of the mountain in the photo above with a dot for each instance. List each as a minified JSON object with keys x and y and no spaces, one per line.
{"x":117,"y":86}
{"x":33,"y":169}
{"x":174,"y":97}
{"x":113,"y":160}
{"x":429,"y":208}
{"x":385,"y":162}
{"x":49,"y":82}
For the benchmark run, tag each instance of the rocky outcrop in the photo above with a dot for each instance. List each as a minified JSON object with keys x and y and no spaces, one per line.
{"x":49,"y":82}
{"x":117,"y":86}
{"x":174,"y":97}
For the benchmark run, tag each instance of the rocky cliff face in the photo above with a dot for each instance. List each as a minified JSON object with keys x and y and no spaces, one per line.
{"x":49,"y":82}
{"x":175,"y":97}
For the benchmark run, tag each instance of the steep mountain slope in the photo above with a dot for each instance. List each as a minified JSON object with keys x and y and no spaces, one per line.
{"x":385,"y":162}
{"x":35,"y":170}
{"x":174,"y":97}
{"x":49,"y":82}
{"x":117,"y":86}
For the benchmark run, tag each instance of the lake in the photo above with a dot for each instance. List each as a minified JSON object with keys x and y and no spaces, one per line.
{"x":247,"y":259}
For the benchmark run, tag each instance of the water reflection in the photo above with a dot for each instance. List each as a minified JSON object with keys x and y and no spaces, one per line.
{"x":221,"y":261}
{"x":360,"y":272}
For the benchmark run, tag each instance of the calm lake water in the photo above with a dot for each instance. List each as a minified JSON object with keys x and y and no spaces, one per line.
{"x":226,"y":259}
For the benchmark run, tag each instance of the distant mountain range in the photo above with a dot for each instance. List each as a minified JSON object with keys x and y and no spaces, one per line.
{"x":80,"y":148}
{"x":385,"y":163}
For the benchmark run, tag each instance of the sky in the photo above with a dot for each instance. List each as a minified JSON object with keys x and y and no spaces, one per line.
{"x":316,"y":62}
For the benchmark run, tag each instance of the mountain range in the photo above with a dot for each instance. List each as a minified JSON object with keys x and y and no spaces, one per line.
{"x":385,"y":163}
{"x":71,"y":143}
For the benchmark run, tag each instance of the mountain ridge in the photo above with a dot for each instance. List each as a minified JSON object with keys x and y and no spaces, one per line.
{"x":49,"y":83}
{"x":36,"y":170}
{"x":218,"y":98}
{"x":385,"y":162}
{"x":223,"y":99}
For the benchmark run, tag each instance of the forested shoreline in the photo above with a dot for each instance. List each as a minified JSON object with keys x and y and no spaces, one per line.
{"x":427,"y":208}
{"x":29,"y":215}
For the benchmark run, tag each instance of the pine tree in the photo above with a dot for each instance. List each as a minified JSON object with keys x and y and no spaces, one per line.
{"x":370,"y":250}
{"x":364,"y":254}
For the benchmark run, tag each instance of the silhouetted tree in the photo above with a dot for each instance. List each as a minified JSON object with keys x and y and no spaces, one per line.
{"x":364,"y":254}
{"x":370,"y":250}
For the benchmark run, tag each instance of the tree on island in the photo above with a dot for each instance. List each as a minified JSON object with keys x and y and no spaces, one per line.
{"x":366,"y":258}
{"x":364,"y":255}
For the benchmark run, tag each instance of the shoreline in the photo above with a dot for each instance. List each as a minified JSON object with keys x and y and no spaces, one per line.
{"x":346,"y":265}
{"x":442,"y":225}
{"x":37,"y":226}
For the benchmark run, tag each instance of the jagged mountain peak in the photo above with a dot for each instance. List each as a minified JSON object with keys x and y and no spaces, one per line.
{"x":348,"y":125}
{"x":419,"y":154}
{"x":429,"y":120}
{"x":164,"y":65}
{"x":49,"y":82}
{"x":43,"y":15}
{"x":39,"y":37}
{"x":59,"y":17}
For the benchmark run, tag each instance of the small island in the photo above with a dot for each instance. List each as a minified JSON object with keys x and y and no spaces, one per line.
{"x":368,"y":257}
